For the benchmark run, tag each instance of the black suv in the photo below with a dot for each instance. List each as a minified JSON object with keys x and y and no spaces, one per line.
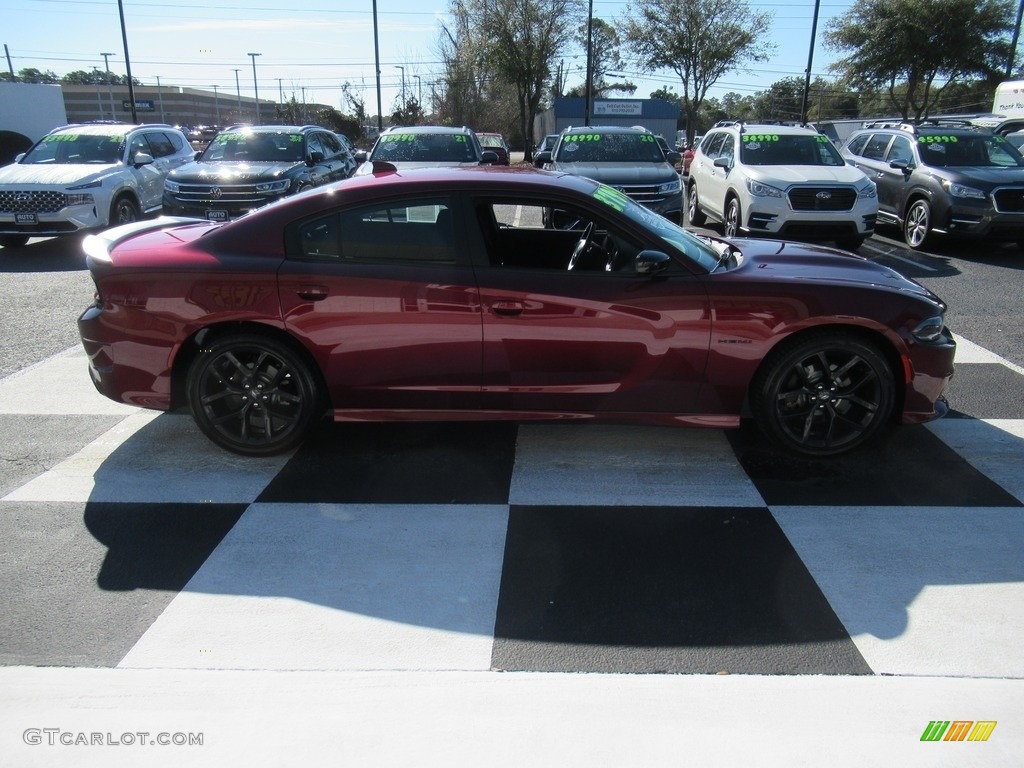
{"x":947,"y":178}
{"x":246,"y":167}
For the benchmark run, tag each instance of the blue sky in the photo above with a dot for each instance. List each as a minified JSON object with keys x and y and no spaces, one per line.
{"x":318,"y":44}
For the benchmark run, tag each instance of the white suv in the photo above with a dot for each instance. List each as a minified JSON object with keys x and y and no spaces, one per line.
{"x":780,"y":181}
{"x":87,"y":176}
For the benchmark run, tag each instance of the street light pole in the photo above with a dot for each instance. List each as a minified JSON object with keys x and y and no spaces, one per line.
{"x":216,"y":104}
{"x":238,"y":90}
{"x":160,"y":96}
{"x":110,"y":92}
{"x":403,"y":86}
{"x":255,"y":86}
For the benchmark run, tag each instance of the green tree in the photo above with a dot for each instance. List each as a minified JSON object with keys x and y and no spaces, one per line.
{"x":605,"y":58}
{"x":31,"y":75}
{"x":699,"y":40}
{"x":913,"y":49}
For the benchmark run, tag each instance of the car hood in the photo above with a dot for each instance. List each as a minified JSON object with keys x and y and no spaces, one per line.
{"x":213,"y":171}
{"x":798,"y":261}
{"x":620,"y":173}
{"x":776,"y":175}
{"x":979,"y":175}
{"x":56,"y":175}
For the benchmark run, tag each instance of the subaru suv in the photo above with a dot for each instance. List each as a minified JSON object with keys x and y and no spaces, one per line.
{"x":425,"y":146}
{"x":89,"y":176}
{"x":951,"y":179}
{"x":246,"y":167}
{"x":781,"y":181}
{"x":628,"y":159}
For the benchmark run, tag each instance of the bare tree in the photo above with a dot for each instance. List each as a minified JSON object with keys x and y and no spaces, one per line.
{"x":699,"y":40}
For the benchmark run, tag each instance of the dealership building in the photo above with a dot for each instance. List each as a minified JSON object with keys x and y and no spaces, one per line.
{"x":658,"y":116}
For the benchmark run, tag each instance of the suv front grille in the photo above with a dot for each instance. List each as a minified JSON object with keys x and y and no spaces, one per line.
{"x":1009,"y":200}
{"x":25,"y":201}
{"x":642,"y":193}
{"x":223,"y":194}
{"x":822,"y":198}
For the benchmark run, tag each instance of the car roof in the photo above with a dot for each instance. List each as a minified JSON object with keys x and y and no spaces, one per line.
{"x":107,"y":129}
{"x":426,"y":129}
{"x":606,"y":129}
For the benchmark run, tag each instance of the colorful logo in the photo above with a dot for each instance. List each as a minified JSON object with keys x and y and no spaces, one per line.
{"x":958,"y":730}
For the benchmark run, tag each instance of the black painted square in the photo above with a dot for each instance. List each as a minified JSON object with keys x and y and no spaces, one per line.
{"x":662,"y":589}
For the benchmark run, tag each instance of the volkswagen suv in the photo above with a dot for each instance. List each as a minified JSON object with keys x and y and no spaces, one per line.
{"x":782,"y":181}
{"x":951,"y":179}
{"x":88,"y":176}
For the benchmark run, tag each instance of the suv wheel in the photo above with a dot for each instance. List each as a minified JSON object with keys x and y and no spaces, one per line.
{"x":733,"y":217}
{"x":917,"y":224}
{"x":693,"y":211}
{"x":123,"y":211}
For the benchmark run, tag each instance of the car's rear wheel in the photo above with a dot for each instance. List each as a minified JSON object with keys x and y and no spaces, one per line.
{"x":733,"y":218}
{"x":123,"y":211}
{"x":917,"y":225}
{"x":253,"y":395}
{"x":13,"y":241}
{"x":826,"y":394}
{"x":695,"y":215}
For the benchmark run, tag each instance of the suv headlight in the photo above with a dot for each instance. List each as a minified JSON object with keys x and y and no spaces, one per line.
{"x":867,"y":192}
{"x":962,"y":190}
{"x":172,"y":186}
{"x":273,"y":187}
{"x":760,"y":189}
{"x":670,"y":188}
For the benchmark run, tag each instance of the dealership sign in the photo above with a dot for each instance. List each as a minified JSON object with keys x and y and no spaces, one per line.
{"x":623,"y":108}
{"x":141,"y":105}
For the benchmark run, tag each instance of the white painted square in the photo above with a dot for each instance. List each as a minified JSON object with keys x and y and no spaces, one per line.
{"x":596,"y":464}
{"x":339,"y":586}
{"x":995,"y":447}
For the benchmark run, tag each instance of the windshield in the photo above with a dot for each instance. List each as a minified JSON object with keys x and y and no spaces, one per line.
{"x":425,"y":148}
{"x":256,"y":147}
{"x":609,"y":148}
{"x":672,"y":234}
{"x":974,"y":151}
{"x":776,"y":149}
{"x":76,"y":149}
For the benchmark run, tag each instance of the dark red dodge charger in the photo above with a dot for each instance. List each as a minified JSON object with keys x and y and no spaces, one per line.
{"x":439,"y":294}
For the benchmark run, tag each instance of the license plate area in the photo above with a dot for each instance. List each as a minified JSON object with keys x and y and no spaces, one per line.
{"x":25,"y":218}
{"x":217,"y":215}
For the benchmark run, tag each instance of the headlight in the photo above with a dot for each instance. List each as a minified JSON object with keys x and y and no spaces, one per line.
{"x":867,"y":192}
{"x":759,"y":189}
{"x":962,"y":190}
{"x":670,"y":188}
{"x":930,"y":329}
{"x":90,"y":185}
{"x":79,"y":199}
{"x":273,"y":187}
{"x":172,"y":186}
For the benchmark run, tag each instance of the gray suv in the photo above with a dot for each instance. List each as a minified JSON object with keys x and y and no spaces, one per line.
{"x":951,"y":179}
{"x":629,"y":159}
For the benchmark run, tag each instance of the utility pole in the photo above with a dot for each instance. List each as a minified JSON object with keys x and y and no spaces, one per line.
{"x":110,"y":91}
{"x":238,"y":90}
{"x":255,"y":86}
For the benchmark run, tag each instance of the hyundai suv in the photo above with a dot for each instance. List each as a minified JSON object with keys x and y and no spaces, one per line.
{"x":951,"y":179}
{"x":89,"y":176}
{"x":422,"y":146}
{"x":629,"y":159}
{"x":782,"y":181}
{"x":246,"y":167}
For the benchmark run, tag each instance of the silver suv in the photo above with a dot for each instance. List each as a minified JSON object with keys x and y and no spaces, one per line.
{"x":781,"y":181}
{"x":88,"y":176}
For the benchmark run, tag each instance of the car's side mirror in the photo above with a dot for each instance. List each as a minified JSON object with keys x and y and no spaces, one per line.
{"x":314,"y":158}
{"x":674,"y":158}
{"x":900,"y":165}
{"x":488,"y":158}
{"x":360,"y":156}
{"x":543,"y":157}
{"x":650,"y":262}
{"x":723,"y":162}
{"x":142,"y":158}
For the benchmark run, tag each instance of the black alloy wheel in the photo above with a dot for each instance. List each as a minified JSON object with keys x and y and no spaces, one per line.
{"x":824,"y":395}
{"x":253,"y":395}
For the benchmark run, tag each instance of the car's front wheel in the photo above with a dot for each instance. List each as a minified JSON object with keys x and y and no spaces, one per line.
{"x":824,"y":395}
{"x":253,"y":395}
{"x":695,"y":215}
{"x":123,"y":211}
{"x":917,"y":225}
{"x":733,"y":218}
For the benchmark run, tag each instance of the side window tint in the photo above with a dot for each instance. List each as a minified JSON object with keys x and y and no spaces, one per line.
{"x":876,"y":146}
{"x":330,"y":143}
{"x":900,"y":150}
{"x":314,"y":145}
{"x":160,"y":144}
{"x":713,"y":145}
{"x":176,"y":141}
{"x":139,"y":144}
{"x":856,"y":146}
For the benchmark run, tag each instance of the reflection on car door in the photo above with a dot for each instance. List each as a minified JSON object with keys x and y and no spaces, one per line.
{"x":150,"y":177}
{"x":386,"y":303}
{"x":585,"y":340}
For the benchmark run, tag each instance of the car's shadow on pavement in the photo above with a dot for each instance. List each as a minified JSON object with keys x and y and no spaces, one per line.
{"x":51,"y":254}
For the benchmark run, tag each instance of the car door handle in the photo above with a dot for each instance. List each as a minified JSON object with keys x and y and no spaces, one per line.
{"x":507,"y":308}
{"x":312,"y":292}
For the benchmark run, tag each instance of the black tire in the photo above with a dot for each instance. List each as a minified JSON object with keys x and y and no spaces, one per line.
{"x":123,"y":211}
{"x":733,"y":219}
{"x":253,"y":395}
{"x":695,"y":215}
{"x":917,"y":224}
{"x":824,"y":395}
{"x":850,"y":243}
{"x":13,"y":241}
